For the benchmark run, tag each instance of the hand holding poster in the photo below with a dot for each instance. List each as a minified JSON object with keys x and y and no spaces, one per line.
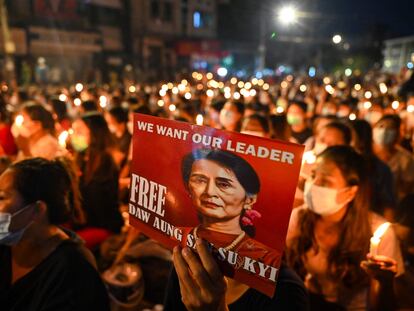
{"x":234,"y":191}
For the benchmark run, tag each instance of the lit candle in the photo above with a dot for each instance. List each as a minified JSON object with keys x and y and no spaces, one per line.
{"x":19,"y":120}
{"x":62,"y":138}
{"x":376,"y":238}
{"x":199,"y":119}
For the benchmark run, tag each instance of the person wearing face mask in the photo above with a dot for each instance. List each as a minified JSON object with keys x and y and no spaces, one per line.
{"x":44,"y":266}
{"x":93,"y":142}
{"x":386,"y":135}
{"x":117,"y":120}
{"x":329,"y":238}
{"x":231,"y":116}
{"x":35,"y":134}
{"x":384,"y":198}
{"x":256,"y":125}
{"x":296,"y":117}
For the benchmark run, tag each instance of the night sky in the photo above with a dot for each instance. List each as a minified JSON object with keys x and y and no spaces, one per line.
{"x":354,"y":18}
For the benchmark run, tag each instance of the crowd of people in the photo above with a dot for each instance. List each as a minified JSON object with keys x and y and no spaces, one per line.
{"x":65,"y":164}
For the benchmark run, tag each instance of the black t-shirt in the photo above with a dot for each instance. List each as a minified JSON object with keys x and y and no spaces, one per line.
{"x":302,"y":136}
{"x":64,"y":281}
{"x":290,"y":295}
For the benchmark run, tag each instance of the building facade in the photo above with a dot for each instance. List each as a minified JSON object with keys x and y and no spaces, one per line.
{"x":398,"y":53}
{"x":67,"y":40}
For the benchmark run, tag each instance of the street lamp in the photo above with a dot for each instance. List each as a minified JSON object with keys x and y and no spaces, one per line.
{"x":337,"y":39}
{"x":288,"y":15}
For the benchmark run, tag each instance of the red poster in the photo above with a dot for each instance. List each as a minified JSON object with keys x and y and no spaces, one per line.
{"x":233,"y":190}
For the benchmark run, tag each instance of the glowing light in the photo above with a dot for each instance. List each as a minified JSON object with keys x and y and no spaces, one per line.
{"x":348,"y":72}
{"x":255,"y":81}
{"x":63,"y":138}
{"x":330,"y":89}
{"x":209,"y":76}
{"x":309,"y":157}
{"x":199,"y":119}
{"x":163,"y":92}
{"x":181,"y":87}
{"x":63,"y":97}
{"x":194,"y":74}
{"x":221,"y":85}
{"x":341,"y":84}
{"x":160,"y":103}
{"x":352,"y":116}
{"x":410,"y":108}
{"x":132,"y":89}
{"x":170,"y":86}
{"x":164,"y":87}
{"x":395,"y":104}
{"x":303,"y":88}
{"x":236,"y":96}
{"x":357,"y":87}
{"x":19,"y":120}
{"x":227,"y":95}
{"x":368,"y":94}
{"x":210,"y":93}
{"x":280,"y":109}
{"x":312,"y":72}
{"x":103,"y":101}
{"x":199,"y":87}
{"x":222,"y":72}
{"x":289,"y":78}
{"x":175,"y":90}
{"x":240,"y":84}
{"x":326,"y":80}
{"x":284,"y":84}
{"x":288,"y":15}
{"x":266,"y":86}
{"x":247,"y":85}
{"x":410,"y":65}
{"x":77,"y":102}
{"x":383,"y":88}
{"x":184,"y":82}
{"x":253,"y":93}
{"x":227,"y":89}
{"x":376,"y":238}
{"x":260,"y":82}
{"x":79,"y":87}
{"x":187,"y":95}
{"x":199,"y":77}
{"x":367,"y":105}
{"x":233,"y":80}
{"x":172,"y":108}
{"x":337,"y":39}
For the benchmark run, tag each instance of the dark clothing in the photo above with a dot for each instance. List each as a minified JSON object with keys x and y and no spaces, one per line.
{"x":381,"y":178}
{"x":100,"y":196}
{"x":290,"y":295}
{"x":123,"y":142}
{"x":64,"y":281}
{"x":302,"y":136}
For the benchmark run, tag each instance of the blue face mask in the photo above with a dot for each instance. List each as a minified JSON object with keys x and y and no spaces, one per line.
{"x":11,"y":238}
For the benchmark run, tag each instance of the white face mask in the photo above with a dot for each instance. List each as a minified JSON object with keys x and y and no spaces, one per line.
{"x":11,"y":238}
{"x":319,"y":148}
{"x":322,"y":200}
{"x":254,"y":133}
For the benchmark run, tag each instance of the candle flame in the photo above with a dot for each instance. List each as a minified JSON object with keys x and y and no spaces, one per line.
{"x":381,"y":230}
{"x":19,"y":120}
